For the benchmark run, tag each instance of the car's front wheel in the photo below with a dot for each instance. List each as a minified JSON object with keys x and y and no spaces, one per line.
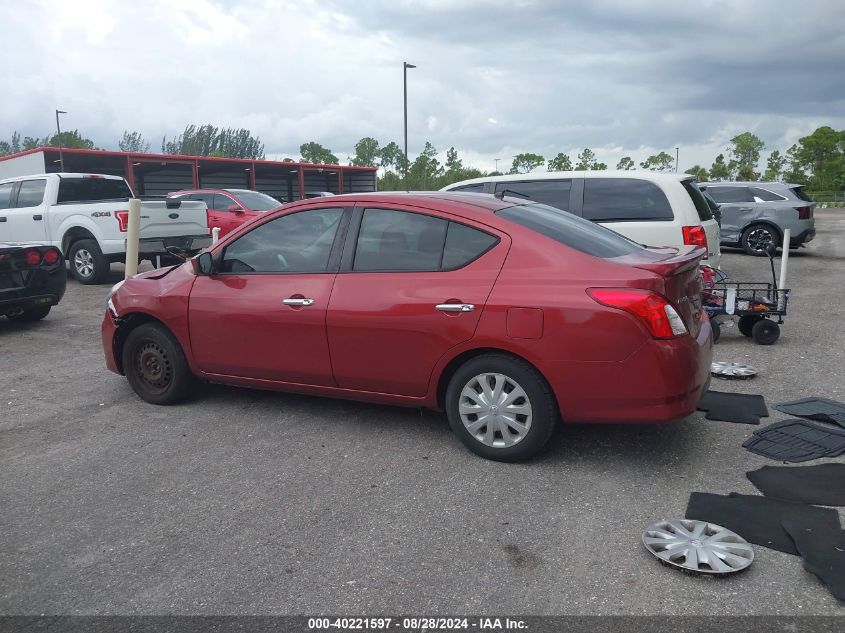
{"x":501,"y":407}
{"x":155,"y":365}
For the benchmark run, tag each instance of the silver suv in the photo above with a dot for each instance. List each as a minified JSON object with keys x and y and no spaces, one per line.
{"x":755,"y":214}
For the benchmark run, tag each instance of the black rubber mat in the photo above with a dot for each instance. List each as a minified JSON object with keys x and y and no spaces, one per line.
{"x":822,"y":485}
{"x":823,"y":551}
{"x":815,"y":409}
{"x":733,"y":407}
{"x":758,"y":519}
{"x":796,"y":441}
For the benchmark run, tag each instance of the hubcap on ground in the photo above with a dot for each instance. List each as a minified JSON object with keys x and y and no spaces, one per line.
{"x":495,"y":410}
{"x":698,"y":546}
{"x":153,"y":366}
{"x":759,"y":239}
{"x":84,"y":262}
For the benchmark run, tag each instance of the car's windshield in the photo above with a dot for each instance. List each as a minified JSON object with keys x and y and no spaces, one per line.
{"x":578,"y":233}
{"x":255,"y":200}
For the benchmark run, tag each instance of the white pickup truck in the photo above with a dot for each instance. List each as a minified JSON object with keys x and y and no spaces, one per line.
{"x":86,"y":217}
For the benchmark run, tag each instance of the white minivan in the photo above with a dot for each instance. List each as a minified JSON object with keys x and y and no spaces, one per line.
{"x":651,"y":208}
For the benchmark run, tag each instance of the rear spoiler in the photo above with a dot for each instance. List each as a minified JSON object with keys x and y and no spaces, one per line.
{"x":686,"y":258}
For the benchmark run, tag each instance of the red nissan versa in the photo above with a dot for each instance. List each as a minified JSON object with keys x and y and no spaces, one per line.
{"x":229,"y":208}
{"x":507,"y":314}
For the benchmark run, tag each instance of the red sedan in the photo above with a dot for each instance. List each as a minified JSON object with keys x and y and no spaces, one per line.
{"x":229,"y":208}
{"x":507,"y":314}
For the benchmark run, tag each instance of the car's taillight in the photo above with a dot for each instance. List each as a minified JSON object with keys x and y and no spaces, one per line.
{"x":803,"y":213}
{"x":32,"y":257}
{"x":51,"y":256}
{"x":695,"y":236}
{"x":122,"y":220}
{"x":656,"y":313}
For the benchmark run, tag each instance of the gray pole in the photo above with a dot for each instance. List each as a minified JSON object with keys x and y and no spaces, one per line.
{"x":497,"y":163}
{"x":677,"y":149}
{"x":405,"y":67}
{"x":59,"y":136}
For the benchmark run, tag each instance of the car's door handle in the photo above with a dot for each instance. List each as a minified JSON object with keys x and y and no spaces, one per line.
{"x":298,"y":302}
{"x":37,"y":216}
{"x":455,"y":307}
{"x":3,"y":218}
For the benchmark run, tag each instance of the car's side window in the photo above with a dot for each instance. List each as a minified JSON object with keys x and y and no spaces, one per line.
{"x":764,"y":195}
{"x":730,"y":194}
{"x":554,"y":193}
{"x":295,"y":243}
{"x":222,"y":202}
{"x":474,"y":188}
{"x":31,"y":193}
{"x":399,"y":241}
{"x":6,"y":195}
{"x":465,"y":244}
{"x":624,"y":200}
{"x":208,"y":198}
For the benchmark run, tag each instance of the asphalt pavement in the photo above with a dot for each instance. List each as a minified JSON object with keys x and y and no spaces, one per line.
{"x":250,"y":502}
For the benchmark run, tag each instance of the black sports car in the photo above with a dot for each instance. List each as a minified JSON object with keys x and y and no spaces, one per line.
{"x":32,"y":280}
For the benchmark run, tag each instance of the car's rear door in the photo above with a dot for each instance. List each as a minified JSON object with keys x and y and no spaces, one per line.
{"x":738,"y":209}
{"x":262,"y":315}
{"x":412,"y":285}
{"x":28,"y":219}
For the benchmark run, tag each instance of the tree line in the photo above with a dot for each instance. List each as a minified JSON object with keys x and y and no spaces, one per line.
{"x":816,"y":160}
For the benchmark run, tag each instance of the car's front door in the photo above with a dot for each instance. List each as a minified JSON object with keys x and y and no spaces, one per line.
{"x":737,"y":209}
{"x":223,"y":214}
{"x":262,"y":314}
{"x":6,"y":190}
{"x":412,"y":286}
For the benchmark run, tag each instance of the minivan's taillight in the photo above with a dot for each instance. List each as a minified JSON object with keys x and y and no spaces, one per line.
{"x":803,"y":213}
{"x":122,"y":220}
{"x":695,"y":236}
{"x":655,"y":312}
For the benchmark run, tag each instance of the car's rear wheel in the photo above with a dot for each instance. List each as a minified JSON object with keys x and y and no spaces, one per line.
{"x":501,"y":407}
{"x":757,"y":238}
{"x":87,"y":262}
{"x":155,"y":365}
{"x":31,"y":314}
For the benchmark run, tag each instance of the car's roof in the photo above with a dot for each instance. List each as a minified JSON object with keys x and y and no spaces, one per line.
{"x":64,"y":174}
{"x":653,"y":176}
{"x":749,"y":183}
{"x":471,"y":202}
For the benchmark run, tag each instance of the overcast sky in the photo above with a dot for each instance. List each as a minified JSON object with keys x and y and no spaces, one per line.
{"x":494,"y":78}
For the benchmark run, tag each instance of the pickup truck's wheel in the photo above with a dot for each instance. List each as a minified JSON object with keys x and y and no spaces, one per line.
{"x":87,"y":262}
{"x":501,"y":408}
{"x":31,"y":314}
{"x":155,"y":365}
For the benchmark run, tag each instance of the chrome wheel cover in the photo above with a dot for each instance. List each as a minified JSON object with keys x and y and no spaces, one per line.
{"x":83,"y":261}
{"x":495,"y":410}
{"x":698,"y":546}
{"x":732,"y":370}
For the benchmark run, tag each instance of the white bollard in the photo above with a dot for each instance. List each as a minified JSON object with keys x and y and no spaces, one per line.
{"x":784,"y":258}
{"x":132,"y":234}
{"x":215,"y":235}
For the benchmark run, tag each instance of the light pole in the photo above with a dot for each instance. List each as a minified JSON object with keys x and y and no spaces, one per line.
{"x":405,"y":67}
{"x":59,"y":137}
{"x":497,"y":163}
{"x":677,"y":149}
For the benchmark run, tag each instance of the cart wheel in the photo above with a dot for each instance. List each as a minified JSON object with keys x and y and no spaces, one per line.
{"x":765,"y":332}
{"x":717,"y":330}
{"x":746,"y":323}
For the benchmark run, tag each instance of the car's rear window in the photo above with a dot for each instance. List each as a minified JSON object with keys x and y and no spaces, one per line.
{"x":799,"y":191}
{"x":624,"y":200}
{"x":698,"y":200}
{"x":570,"y":230}
{"x":86,"y":189}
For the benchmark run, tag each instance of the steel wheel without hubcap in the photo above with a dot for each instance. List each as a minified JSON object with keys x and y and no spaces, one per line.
{"x":84,"y":262}
{"x":698,"y":546}
{"x":495,"y":410}
{"x":153,"y":367}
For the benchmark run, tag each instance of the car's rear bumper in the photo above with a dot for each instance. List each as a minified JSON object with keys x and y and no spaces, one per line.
{"x":44,"y":287}
{"x":160,"y":245}
{"x":661,"y":382}
{"x":802,"y":238}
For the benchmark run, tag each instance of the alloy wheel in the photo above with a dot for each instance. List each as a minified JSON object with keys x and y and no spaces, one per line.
{"x":83,"y":261}
{"x":759,"y":239}
{"x":495,"y":410}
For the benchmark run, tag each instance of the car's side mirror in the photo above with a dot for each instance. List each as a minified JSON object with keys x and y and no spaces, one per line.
{"x":235,"y":209}
{"x":204,"y":264}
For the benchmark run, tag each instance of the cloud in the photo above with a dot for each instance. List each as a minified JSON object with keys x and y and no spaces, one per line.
{"x":493,"y":78}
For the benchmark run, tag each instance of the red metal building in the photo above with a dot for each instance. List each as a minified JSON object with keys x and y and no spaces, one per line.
{"x":159,"y":174}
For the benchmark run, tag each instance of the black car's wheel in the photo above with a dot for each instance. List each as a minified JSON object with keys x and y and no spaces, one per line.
{"x":765,"y":332}
{"x":155,"y":365}
{"x":87,"y":262}
{"x":746,"y":324}
{"x":31,"y":314}
{"x":501,"y":408}
{"x":757,"y":238}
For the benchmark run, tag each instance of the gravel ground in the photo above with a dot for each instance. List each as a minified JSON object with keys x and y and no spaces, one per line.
{"x":248,"y":502}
